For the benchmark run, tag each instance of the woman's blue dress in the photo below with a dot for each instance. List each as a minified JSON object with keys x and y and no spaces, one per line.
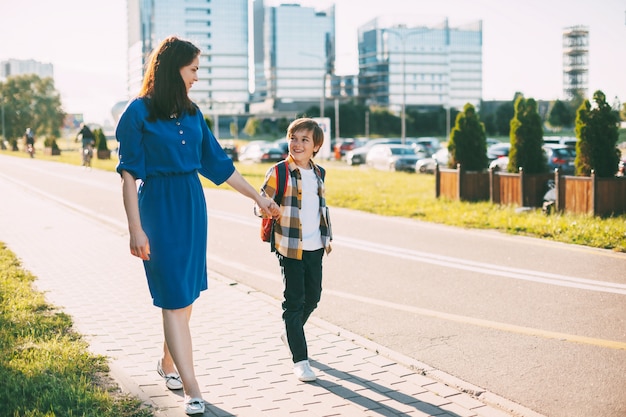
{"x":167,"y":155}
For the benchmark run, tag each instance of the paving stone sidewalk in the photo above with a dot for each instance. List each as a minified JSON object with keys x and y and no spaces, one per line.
{"x":84,"y":267}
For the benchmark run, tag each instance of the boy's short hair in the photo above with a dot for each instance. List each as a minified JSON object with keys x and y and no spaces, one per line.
{"x":305,"y":123}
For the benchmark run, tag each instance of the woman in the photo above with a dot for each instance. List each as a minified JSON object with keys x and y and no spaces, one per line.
{"x":164,"y":143}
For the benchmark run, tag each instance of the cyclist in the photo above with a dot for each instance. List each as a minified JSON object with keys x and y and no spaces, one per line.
{"x":87,"y":138}
{"x":30,"y":142}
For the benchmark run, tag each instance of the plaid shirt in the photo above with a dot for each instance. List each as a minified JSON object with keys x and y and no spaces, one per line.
{"x":288,"y":231}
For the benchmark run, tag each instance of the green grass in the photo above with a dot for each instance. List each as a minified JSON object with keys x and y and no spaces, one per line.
{"x":46,"y":368}
{"x":413,"y":196}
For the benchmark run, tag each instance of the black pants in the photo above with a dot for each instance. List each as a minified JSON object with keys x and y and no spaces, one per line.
{"x":302,"y":281}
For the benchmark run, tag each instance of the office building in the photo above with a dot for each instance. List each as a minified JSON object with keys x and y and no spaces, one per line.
{"x":420,"y":66}
{"x":25,"y":66}
{"x":297,"y":45}
{"x":575,"y":62}
{"x":218,"y":27}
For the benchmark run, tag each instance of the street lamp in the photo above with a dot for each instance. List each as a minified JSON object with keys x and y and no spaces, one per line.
{"x":323,"y":80}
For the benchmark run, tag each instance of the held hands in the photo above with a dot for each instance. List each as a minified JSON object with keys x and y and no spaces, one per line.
{"x":268,"y":207}
{"x":139,"y":245}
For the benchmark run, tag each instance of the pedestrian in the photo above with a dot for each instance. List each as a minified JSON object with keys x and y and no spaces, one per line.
{"x":301,"y":236}
{"x":164,"y":142}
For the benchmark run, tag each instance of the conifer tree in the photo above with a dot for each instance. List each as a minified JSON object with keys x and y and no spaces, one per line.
{"x":468,"y":141}
{"x":526,"y":139}
{"x":597,"y":132}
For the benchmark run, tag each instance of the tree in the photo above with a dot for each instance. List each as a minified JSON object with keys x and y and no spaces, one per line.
{"x":561,"y":115}
{"x":597,"y":132}
{"x":252,"y":127}
{"x":526,"y":138}
{"x":622,"y":113}
{"x":468,"y":141}
{"x":30,"y":101}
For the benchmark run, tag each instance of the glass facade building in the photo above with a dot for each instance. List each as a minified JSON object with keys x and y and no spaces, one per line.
{"x":420,"y":66}
{"x":25,"y":66}
{"x":298,"y":47}
{"x":218,"y":27}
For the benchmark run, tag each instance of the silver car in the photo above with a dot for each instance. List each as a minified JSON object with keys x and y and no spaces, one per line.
{"x":389,"y":157}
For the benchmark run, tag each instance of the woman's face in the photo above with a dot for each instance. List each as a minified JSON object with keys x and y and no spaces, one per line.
{"x":189,"y":73}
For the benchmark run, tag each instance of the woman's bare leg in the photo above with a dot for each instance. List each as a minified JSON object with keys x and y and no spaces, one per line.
{"x":178,"y":345}
{"x":167,"y":363}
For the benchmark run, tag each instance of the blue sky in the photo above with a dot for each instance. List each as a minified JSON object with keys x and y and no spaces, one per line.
{"x":522,"y":43}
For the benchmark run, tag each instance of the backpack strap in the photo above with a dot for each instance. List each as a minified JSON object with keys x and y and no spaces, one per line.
{"x":282,"y":178}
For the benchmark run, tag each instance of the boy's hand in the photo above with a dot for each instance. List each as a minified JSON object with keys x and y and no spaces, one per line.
{"x":269,"y":207}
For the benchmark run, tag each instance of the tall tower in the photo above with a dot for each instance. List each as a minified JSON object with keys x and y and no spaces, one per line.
{"x":575,"y":61}
{"x":219,"y":28}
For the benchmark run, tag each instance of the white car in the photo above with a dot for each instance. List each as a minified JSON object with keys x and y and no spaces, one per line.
{"x":389,"y":157}
{"x":427,"y":165}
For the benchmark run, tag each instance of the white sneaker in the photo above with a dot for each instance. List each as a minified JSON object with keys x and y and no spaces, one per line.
{"x":283,"y":337}
{"x":302,"y":370}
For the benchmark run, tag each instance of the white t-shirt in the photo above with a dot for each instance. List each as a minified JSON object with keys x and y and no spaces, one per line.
{"x":310,"y":212}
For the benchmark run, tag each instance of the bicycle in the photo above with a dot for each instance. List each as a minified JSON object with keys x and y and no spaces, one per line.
{"x":87,"y":155}
{"x":30,"y":148}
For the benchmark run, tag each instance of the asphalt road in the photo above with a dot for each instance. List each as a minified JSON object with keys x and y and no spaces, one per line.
{"x":536,"y":322}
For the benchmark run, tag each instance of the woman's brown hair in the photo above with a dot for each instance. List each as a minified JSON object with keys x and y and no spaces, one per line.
{"x":163,"y":87}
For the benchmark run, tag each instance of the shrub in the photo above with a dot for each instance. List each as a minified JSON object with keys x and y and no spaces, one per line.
{"x":468,"y":141}
{"x":597,"y":133}
{"x":101,"y":140}
{"x":527,"y":139}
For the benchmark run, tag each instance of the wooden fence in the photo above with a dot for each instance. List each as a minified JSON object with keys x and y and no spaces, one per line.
{"x":580,"y":195}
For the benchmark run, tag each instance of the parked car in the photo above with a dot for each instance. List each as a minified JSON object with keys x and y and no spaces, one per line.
{"x":429,"y":145}
{"x":560,"y":140}
{"x":427,"y":165}
{"x":558,"y":156}
{"x":357,"y":155}
{"x":231,"y":151}
{"x":283,"y":145}
{"x":498,"y":150}
{"x":261,"y":152}
{"x":392,"y":157}
{"x":342,"y":146}
{"x":492,"y":141}
{"x":561,"y":157}
{"x":499,"y":164}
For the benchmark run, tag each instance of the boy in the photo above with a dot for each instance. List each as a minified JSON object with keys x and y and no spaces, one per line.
{"x":302,"y":234}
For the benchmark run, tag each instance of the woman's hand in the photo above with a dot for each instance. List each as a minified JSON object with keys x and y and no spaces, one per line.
{"x":139,"y":245}
{"x":268,"y":207}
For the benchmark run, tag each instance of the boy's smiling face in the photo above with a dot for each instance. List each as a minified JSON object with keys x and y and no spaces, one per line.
{"x":301,"y":147}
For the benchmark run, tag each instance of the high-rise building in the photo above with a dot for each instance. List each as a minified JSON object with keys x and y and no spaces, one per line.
{"x":298,"y":47}
{"x":218,"y":27}
{"x":25,"y":66}
{"x":420,"y":66}
{"x":575,"y":62}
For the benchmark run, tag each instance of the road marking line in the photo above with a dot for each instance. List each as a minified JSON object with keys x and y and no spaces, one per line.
{"x":494,"y":325}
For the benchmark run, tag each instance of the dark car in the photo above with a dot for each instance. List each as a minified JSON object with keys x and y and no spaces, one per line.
{"x":561,"y":157}
{"x":261,"y":152}
{"x":231,"y":151}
